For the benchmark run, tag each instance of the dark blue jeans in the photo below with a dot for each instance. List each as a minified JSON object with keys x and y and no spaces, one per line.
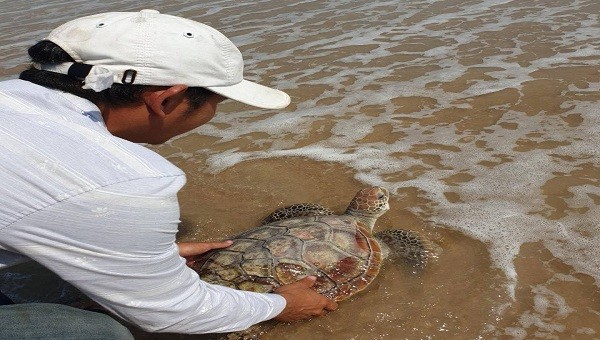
{"x":54,"y":321}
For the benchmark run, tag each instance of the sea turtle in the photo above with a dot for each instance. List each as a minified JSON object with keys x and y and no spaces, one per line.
{"x":308,"y":239}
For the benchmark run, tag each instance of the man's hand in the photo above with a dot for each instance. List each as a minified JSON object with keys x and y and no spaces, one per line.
{"x":189,"y":250}
{"x":302,"y":302}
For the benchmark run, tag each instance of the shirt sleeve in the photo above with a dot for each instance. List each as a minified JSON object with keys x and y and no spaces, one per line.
{"x":117,"y":245}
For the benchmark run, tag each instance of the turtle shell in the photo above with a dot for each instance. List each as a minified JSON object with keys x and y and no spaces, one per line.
{"x":338,"y":250}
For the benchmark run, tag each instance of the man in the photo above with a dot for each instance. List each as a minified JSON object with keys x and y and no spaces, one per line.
{"x":81,"y":198}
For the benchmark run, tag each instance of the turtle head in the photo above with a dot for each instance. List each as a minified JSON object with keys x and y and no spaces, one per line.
{"x":369,"y":204}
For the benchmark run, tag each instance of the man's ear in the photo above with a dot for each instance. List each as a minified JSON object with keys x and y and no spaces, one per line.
{"x":163,"y":100}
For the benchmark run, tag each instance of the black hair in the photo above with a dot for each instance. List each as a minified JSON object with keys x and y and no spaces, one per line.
{"x":118,"y":95}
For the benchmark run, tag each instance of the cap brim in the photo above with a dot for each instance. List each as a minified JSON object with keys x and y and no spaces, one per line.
{"x":254,"y":94}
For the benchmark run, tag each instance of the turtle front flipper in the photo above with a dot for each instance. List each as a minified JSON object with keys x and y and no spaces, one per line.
{"x":407,"y":245}
{"x":297,"y":210}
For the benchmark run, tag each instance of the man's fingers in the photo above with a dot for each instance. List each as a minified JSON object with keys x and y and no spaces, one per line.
{"x":303,"y":302}
{"x":218,"y":245}
{"x":196,"y":248}
{"x":309,"y":281}
{"x":331,"y":305}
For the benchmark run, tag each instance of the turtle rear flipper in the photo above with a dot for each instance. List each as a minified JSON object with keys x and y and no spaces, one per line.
{"x":408,"y":245}
{"x":297,"y":210}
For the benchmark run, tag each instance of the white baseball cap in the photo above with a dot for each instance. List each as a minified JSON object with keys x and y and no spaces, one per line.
{"x":150,"y":48}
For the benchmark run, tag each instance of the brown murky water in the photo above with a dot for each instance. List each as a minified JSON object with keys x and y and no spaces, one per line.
{"x":481,"y":117}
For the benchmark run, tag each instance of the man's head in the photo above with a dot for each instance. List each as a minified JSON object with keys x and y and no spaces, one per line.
{"x":114,"y":59}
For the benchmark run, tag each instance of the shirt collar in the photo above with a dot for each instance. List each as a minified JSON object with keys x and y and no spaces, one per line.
{"x":87,"y":108}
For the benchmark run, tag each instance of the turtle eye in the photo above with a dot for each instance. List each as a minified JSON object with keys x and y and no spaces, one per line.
{"x":380,"y":196}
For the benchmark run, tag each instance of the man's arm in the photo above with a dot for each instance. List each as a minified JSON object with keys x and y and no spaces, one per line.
{"x":116,"y":244}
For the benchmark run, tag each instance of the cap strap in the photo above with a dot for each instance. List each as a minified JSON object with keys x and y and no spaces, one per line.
{"x":79,"y":70}
{"x":94,"y":77}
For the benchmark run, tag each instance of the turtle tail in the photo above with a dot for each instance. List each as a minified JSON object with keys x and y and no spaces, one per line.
{"x":410,"y":246}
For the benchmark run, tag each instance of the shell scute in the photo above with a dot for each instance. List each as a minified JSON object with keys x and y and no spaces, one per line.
{"x":257,"y":284}
{"x":346,"y":269}
{"x":322,"y":255}
{"x":257,"y":251}
{"x":313,"y":231}
{"x":289,"y":270}
{"x":351,"y":241}
{"x":284,"y":246}
{"x":264,"y":232}
{"x":338,"y":222}
{"x":258,"y":267}
{"x":241,"y":245}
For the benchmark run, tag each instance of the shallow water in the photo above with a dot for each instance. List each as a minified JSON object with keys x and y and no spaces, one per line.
{"x":481,"y":117}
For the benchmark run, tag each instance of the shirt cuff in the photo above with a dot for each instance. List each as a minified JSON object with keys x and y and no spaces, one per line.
{"x":278,"y":302}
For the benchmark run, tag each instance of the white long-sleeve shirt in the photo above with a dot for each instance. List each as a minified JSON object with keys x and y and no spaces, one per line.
{"x":102,"y":213}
